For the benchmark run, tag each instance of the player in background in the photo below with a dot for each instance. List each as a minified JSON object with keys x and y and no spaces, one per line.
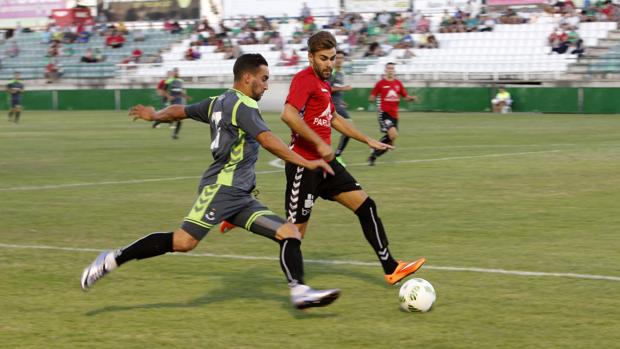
{"x":237,"y":132}
{"x":15,"y":88}
{"x":389,"y":90}
{"x":338,"y":87}
{"x":176,"y":95}
{"x":161,"y":91}
{"x":310,"y":114}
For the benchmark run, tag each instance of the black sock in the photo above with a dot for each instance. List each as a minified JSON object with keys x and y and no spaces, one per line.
{"x":149,"y":246}
{"x":344,"y":140}
{"x":375,"y":234}
{"x":17,"y":114}
{"x":177,"y":128}
{"x":291,"y":261}
{"x":376,"y":153}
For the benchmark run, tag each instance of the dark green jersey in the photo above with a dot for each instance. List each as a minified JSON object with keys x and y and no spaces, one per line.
{"x":16,"y":87}
{"x":174,"y":87}
{"x":235,"y":122}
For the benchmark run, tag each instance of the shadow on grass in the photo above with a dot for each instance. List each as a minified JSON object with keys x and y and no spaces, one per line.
{"x":243,"y":286}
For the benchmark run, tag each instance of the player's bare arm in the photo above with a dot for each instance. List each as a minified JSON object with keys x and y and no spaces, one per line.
{"x":348,"y":129}
{"x":290,"y":116}
{"x":276,"y":146}
{"x":372,"y":98}
{"x":171,"y":113}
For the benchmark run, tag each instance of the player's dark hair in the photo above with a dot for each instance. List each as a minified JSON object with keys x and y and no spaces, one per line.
{"x":321,"y":41}
{"x":341,"y":52}
{"x":390,"y":63}
{"x":248,"y":63}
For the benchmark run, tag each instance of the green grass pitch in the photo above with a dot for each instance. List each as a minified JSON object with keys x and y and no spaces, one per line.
{"x":517,"y":192}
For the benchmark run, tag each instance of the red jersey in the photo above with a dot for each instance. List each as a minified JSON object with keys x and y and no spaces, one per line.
{"x":389,"y":93}
{"x":312,"y":96}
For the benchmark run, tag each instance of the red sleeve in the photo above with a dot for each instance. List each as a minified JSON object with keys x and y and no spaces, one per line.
{"x":298,"y":93}
{"x":161,"y":85}
{"x":403,"y":92}
{"x":375,"y":91}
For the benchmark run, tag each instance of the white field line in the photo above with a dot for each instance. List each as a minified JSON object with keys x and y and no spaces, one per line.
{"x":341,"y":262}
{"x":275,"y":163}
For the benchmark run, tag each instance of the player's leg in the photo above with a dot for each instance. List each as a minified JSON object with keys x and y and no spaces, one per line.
{"x":366,"y":211}
{"x":18,"y":112}
{"x":344,"y":189}
{"x":177,"y":129}
{"x":344,"y":140}
{"x":11,"y":111}
{"x":195,"y":227}
{"x":259,"y":220}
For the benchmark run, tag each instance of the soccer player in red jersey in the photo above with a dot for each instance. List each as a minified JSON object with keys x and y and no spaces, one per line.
{"x":389,"y":89}
{"x":310,"y":114}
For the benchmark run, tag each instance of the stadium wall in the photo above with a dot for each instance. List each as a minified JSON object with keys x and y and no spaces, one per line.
{"x":445,"y":99}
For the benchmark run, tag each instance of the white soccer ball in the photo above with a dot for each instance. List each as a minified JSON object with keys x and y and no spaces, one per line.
{"x":416,"y":295}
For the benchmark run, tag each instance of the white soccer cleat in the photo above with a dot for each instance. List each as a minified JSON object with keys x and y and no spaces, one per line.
{"x":304,"y":297}
{"x":103,"y":264}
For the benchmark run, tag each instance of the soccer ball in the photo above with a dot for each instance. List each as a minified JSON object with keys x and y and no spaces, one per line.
{"x":416,"y":295}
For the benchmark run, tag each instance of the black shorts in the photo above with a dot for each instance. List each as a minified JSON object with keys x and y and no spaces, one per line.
{"x":386,"y":121}
{"x":342,"y":112}
{"x":16,"y":102}
{"x":303,"y":186}
{"x":220,"y":202}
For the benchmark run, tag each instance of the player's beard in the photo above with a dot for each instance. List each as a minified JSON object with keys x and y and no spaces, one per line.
{"x":257,"y":94}
{"x":325,"y":74}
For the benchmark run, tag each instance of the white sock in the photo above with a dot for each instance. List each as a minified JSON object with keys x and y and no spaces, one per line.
{"x":299,"y":289}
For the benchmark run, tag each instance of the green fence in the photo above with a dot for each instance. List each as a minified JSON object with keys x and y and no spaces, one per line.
{"x":446,"y":99}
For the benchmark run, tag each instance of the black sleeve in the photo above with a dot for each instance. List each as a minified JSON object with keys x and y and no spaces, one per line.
{"x":200,"y":111}
{"x":250,"y":121}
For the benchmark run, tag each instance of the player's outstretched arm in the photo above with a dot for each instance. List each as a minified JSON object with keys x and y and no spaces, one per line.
{"x":148,"y":113}
{"x":349,"y":130}
{"x":290,"y":116}
{"x":276,"y":146}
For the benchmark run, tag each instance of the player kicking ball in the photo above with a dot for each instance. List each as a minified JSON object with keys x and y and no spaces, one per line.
{"x":237,"y":132}
{"x":310,"y":114}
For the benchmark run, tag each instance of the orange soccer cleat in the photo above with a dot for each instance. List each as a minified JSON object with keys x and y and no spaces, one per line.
{"x":226,"y":226}
{"x":403,"y":270}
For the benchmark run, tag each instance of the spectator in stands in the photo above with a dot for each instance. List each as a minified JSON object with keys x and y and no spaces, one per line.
{"x":53,"y":71}
{"x":232,"y":52}
{"x":487,"y":24}
{"x":374,"y":50}
{"x":136,"y":55}
{"x":88,"y":56}
{"x":115,"y":40}
{"x":293,"y":60}
{"x":471,"y":22}
{"x":54,"y":49}
{"x":122,"y":28}
{"x":502,"y":101}
{"x":193,"y":53}
{"x":558,"y":40}
{"x":13,"y":50}
{"x":305,"y":11}
{"x":176,"y":28}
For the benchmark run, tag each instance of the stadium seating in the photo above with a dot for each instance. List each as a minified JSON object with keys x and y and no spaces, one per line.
{"x":32,"y":58}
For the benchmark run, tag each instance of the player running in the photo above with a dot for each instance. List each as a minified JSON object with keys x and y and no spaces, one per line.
{"x":161,"y":91}
{"x":389,"y":89}
{"x":237,"y":132}
{"x":15,"y":88}
{"x":310,"y":114}
{"x":338,"y":85}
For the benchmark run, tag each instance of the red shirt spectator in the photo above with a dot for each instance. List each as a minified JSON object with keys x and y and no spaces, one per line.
{"x":136,"y":54}
{"x":115,"y":40}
